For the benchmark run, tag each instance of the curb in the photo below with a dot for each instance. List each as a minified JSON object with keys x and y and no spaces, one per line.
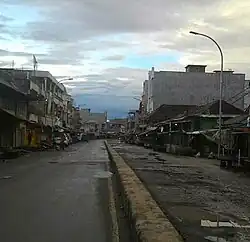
{"x":148,"y":222}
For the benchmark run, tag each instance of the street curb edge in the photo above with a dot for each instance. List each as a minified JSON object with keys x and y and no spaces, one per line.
{"x":112,"y":209}
{"x":148,"y":222}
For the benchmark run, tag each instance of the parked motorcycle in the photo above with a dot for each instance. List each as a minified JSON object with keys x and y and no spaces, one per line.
{"x":57,"y":143}
{"x":61,"y":140}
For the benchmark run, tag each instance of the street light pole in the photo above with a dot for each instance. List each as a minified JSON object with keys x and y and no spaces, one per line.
{"x":220,"y":86}
{"x":142,"y":117}
{"x":136,"y":98}
{"x":66,"y":79}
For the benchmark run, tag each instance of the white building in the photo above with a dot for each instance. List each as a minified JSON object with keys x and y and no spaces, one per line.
{"x":192,"y":87}
{"x":58,"y":101}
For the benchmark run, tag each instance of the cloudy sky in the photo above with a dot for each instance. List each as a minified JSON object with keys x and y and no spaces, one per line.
{"x":108,"y":46}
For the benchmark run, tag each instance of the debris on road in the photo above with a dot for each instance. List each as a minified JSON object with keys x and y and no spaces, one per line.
{"x":191,"y":190}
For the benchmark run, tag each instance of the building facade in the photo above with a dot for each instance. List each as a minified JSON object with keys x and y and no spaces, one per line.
{"x":195,"y":86}
{"x":76,"y":119}
{"x":47,"y":105}
{"x":145,"y":97}
{"x":13,"y":112}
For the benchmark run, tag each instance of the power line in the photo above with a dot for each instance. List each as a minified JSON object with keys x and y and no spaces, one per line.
{"x":239,"y":94}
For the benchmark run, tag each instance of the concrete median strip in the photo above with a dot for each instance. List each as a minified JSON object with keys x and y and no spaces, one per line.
{"x":149,"y":224}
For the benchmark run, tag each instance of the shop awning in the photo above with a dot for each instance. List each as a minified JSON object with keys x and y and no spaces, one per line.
{"x":148,"y":131}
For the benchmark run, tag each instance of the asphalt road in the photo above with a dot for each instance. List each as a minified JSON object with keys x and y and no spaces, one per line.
{"x":56,"y":196}
{"x":190,"y":190}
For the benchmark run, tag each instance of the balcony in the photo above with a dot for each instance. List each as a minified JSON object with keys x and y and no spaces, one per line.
{"x":58,"y":122}
{"x":34,"y":87}
{"x":51,"y":121}
{"x":56,"y":100}
{"x":36,"y":91}
{"x":59,"y":96}
{"x":37,"y":107}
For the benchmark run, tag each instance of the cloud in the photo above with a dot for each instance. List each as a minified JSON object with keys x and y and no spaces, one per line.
{"x":82,"y":19}
{"x":119,"y":81}
{"x":5,"y":19}
{"x":107,"y":46}
{"x":17,"y":53}
{"x":113,"y":58}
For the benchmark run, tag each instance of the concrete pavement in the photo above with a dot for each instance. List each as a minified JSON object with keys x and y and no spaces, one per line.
{"x":147,"y":221}
{"x":56,"y":196}
{"x":191,"y":190}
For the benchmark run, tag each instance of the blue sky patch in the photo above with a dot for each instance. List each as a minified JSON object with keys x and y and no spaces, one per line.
{"x":147,"y":62}
{"x":20,"y":14}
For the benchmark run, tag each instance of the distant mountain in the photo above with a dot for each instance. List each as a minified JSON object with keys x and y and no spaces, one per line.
{"x":117,"y":107}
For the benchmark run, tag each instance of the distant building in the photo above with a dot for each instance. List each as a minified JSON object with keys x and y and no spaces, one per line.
{"x":93,"y":123}
{"x":192,"y":87}
{"x":133,"y":120}
{"x":116,"y":126}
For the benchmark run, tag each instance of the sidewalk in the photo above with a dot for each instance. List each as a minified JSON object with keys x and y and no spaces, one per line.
{"x":189,"y":191}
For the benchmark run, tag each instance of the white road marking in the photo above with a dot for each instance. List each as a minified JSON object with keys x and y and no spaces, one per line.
{"x":215,"y":239}
{"x":5,"y":177}
{"x":230,"y":224}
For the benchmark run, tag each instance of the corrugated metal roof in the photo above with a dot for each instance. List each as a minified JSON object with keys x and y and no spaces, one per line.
{"x":165,"y":112}
{"x":239,"y":120}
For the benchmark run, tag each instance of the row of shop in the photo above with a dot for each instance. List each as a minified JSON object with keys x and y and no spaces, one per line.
{"x":29,"y":113}
{"x":20,"y":133}
{"x":195,"y":132}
